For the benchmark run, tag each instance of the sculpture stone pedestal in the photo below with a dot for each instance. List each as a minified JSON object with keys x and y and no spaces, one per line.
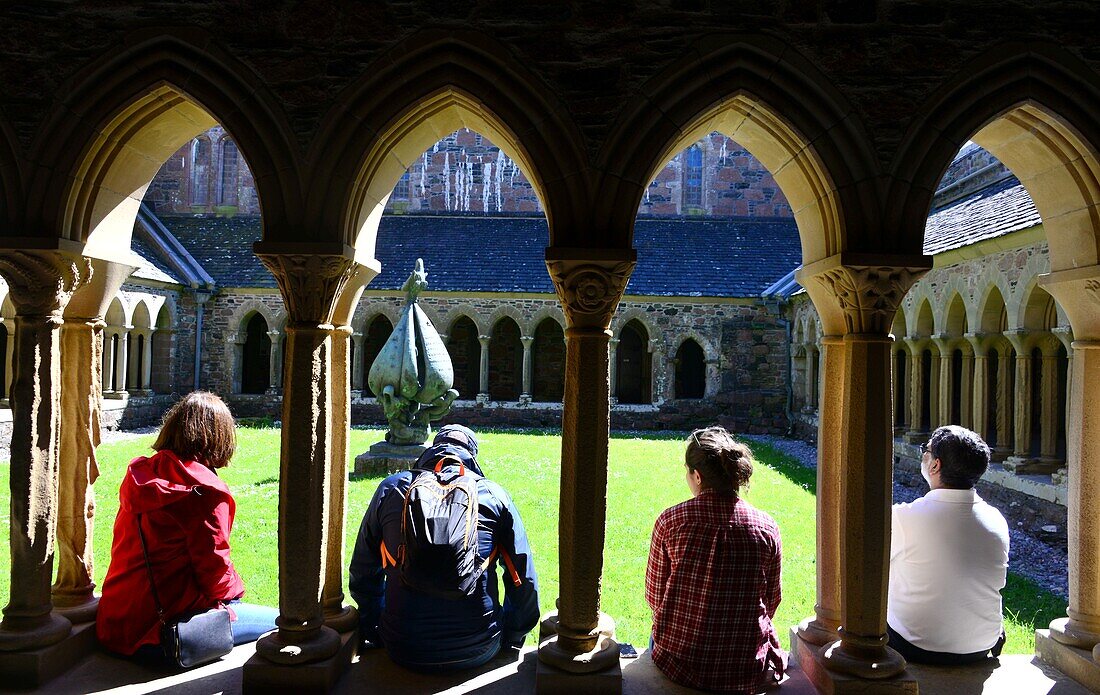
{"x":384,"y":458}
{"x":808,"y":658}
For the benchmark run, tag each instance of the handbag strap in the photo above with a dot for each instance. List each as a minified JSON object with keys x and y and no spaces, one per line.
{"x":149,"y":568}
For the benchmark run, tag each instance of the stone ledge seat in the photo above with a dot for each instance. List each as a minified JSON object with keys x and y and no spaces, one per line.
{"x":373,"y":672}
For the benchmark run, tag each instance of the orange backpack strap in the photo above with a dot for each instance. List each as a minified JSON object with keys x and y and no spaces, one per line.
{"x":387,"y":558}
{"x":511,"y":567}
{"x":455,"y":459}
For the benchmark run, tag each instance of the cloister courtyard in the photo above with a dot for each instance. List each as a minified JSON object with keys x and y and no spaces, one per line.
{"x":847,"y":221}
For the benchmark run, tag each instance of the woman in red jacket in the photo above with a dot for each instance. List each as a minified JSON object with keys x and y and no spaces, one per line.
{"x":186,"y":514}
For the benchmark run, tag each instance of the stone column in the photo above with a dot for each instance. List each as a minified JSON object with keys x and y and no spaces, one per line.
{"x":944,"y":380}
{"x":935,"y":417}
{"x":81,"y":403}
{"x":275,"y":362}
{"x":147,"y":362}
{"x":979,"y":401}
{"x":811,"y":360}
{"x":1082,"y":626}
{"x":589,"y":284}
{"x":1005,"y":402}
{"x":338,"y":616}
{"x":41,"y":283}
{"x":122,"y":364}
{"x":357,"y":374}
{"x":311,"y":284}
{"x":108,"y":361}
{"x":966,"y":387}
{"x":1048,"y":452}
{"x":897,"y":349}
{"x":525,"y":395}
{"x":613,"y":365}
{"x":917,"y":428}
{"x":235,"y":341}
{"x":483,"y":382}
{"x":1021,"y":440}
{"x":861,"y":299}
{"x":9,"y":354}
{"x":821,"y":629}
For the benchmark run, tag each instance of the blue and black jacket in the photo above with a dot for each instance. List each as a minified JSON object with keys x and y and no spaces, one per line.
{"x":418,"y":629}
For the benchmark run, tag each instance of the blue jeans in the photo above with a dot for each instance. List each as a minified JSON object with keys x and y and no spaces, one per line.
{"x":252,"y":621}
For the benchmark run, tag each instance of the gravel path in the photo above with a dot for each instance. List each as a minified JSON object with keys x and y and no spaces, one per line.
{"x":1046,"y":565}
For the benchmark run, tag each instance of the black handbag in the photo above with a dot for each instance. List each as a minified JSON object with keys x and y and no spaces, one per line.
{"x":193,"y":638}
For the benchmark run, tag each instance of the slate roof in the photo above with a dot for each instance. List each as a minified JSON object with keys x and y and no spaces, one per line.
{"x":151,"y":266}
{"x":223,"y":247}
{"x":999,"y":209}
{"x":676,"y":257}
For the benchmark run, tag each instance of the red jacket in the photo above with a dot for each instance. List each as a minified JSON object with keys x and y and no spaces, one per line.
{"x":187,"y":513}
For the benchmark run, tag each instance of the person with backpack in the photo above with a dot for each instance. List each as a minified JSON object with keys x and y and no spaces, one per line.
{"x":424,"y":568}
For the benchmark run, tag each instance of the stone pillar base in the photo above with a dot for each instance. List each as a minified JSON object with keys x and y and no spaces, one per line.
{"x":80,"y":612}
{"x":35,"y":667}
{"x":482,"y":399}
{"x":525,"y":399}
{"x":1076,"y":663}
{"x":1020,"y":465}
{"x":809,"y":659}
{"x":384,"y":458}
{"x":116,"y":395}
{"x":999,"y":455}
{"x":554,"y":681}
{"x":263,"y":676}
{"x":915,"y":437}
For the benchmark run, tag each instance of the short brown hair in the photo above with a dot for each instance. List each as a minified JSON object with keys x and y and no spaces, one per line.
{"x":724,"y":464}
{"x":199,"y":427}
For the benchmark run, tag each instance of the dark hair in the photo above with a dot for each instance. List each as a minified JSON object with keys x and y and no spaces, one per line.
{"x":963,"y":456}
{"x":199,"y":427}
{"x":724,"y":464}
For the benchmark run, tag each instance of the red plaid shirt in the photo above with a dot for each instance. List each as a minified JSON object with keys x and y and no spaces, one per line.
{"x":713,"y":584}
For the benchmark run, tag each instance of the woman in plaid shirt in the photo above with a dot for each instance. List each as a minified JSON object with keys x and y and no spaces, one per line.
{"x":713,"y":576}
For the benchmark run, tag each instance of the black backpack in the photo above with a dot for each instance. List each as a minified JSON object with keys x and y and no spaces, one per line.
{"x":439,"y":553}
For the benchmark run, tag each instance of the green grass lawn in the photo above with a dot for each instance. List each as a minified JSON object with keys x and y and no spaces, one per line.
{"x":646,"y":476}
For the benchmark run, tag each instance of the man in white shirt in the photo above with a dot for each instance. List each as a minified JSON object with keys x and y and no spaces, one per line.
{"x":948,"y":559}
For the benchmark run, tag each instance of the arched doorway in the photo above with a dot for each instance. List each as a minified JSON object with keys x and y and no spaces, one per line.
{"x":377,"y":333}
{"x":505,"y":361}
{"x":256,"y":356}
{"x":548,"y":362}
{"x":633,"y":365}
{"x":465,"y":351}
{"x":691,"y":370}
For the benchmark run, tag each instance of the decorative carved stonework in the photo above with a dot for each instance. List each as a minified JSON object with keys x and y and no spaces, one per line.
{"x":311,"y":284}
{"x":589,"y":290}
{"x":42,"y":282}
{"x":1093,"y":287}
{"x":869,"y":295}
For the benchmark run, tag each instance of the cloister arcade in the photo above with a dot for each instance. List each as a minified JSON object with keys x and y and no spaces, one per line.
{"x":70,"y":196}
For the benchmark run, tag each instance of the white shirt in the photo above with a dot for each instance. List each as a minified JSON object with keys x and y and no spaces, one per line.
{"x":948,"y":562}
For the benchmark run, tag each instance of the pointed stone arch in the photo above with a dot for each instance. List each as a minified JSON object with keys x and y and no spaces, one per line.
{"x":634,"y":314}
{"x":955,"y":321}
{"x":781,"y":108}
{"x":367,"y":311}
{"x":548,"y":312}
{"x":119,"y":119}
{"x":923,"y":324}
{"x":1032,"y":106}
{"x":506,"y":311}
{"x":990,"y":307}
{"x":431,"y":84}
{"x":467,"y":311}
{"x":275,"y":318}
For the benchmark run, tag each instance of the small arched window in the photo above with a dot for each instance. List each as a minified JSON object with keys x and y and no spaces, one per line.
{"x":691,"y":370}
{"x":200,"y":171}
{"x":401,"y":190}
{"x":693,"y":177}
{"x":632,"y":364}
{"x":256,"y":357}
{"x":227,"y":186}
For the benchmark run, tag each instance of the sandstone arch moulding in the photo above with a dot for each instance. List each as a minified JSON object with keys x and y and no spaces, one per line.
{"x":428,"y":86}
{"x":368,"y":312}
{"x":779,"y":107}
{"x":465,"y":311}
{"x":501,"y":312}
{"x":275,"y":318}
{"x":1034,"y":107}
{"x":550,"y":312}
{"x":118,"y":120}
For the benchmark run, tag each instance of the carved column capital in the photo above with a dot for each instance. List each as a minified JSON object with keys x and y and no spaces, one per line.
{"x":43,"y":281}
{"x":590,"y":289}
{"x":311,"y":284}
{"x":868,"y":295}
{"x":526,"y":340}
